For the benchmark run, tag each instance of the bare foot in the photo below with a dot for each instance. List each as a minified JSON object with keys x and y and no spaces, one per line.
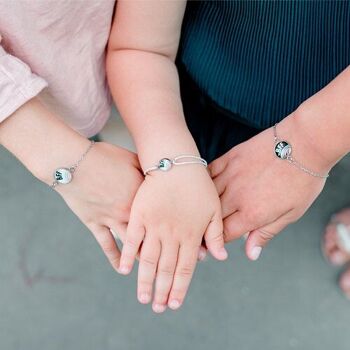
{"x":334,"y":249}
{"x":344,"y":282}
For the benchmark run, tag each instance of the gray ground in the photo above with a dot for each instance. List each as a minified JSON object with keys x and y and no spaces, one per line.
{"x":58,"y":292}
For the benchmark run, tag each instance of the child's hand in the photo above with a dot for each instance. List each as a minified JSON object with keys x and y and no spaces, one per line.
{"x":169,"y":216}
{"x":102,"y":192}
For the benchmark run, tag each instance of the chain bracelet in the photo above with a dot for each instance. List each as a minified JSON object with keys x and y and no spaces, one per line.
{"x":166,"y":164}
{"x":283,"y":150}
{"x":65,"y":175}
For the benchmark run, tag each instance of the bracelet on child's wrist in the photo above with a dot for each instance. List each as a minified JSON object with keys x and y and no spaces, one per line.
{"x":165,"y":164}
{"x":64,"y":175}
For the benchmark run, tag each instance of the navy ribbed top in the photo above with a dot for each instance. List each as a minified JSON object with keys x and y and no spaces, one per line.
{"x":261,"y":59}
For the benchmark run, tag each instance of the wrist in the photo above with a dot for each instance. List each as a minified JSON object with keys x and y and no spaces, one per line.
{"x":40,"y":140}
{"x":168,"y":144}
{"x":309,"y":147}
{"x":57,"y":155}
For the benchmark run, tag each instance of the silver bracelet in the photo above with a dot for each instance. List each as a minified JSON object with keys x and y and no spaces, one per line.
{"x":283,"y":150}
{"x":166,"y":164}
{"x":65,"y":175}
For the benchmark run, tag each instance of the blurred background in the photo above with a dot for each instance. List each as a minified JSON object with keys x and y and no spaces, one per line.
{"x":58,"y":291}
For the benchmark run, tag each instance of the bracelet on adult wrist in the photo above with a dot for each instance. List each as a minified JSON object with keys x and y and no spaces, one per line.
{"x":64,"y":175}
{"x":165,"y":164}
{"x":283,"y":150}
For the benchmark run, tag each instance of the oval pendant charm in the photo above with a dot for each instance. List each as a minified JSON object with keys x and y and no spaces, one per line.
{"x":63,"y":176}
{"x":165,"y":164}
{"x":283,"y":149}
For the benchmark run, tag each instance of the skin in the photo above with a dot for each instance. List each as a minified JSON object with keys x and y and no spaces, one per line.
{"x":172,"y":212}
{"x":259,"y":195}
{"x":104,"y":184}
{"x":334,"y":251}
{"x":264,"y":195}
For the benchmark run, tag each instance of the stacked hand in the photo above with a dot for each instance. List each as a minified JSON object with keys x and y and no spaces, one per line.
{"x":261,"y":194}
{"x":171,"y":214}
{"x":102,"y":192}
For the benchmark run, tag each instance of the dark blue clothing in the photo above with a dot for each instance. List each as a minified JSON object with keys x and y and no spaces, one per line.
{"x":258,"y":60}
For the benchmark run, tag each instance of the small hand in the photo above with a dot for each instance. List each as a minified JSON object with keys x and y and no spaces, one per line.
{"x":169,"y":217}
{"x":102,"y":192}
{"x":261,"y":194}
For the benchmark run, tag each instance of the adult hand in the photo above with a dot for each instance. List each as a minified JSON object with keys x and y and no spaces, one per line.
{"x":102,"y":192}
{"x":260,"y":193}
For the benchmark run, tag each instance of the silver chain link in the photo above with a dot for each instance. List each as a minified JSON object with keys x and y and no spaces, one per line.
{"x":73,"y":168}
{"x":179,"y":161}
{"x":296,"y":163}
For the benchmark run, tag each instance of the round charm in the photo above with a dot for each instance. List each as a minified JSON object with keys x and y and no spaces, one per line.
{"x":165,"y":164}
{"x":63,"y":176}
{"x":283,"y":149}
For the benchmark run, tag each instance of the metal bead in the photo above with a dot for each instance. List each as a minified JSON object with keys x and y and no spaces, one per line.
{"x":63,"y":176}
{"x":165,"y":164}
{"x":283,"y":149}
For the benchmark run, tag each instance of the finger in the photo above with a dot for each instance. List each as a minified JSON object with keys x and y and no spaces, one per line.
{"x":108,"y":244}
{"x":165,"y":276}
{"x":120,"y":235}
{"x":134,"y":237}
{"x":149,"y":257}
{"x":220,"y":182}
{"x":235,"y":226}
{"x":228,"y":203}
{"x":260,"y":237}
{"x":183,"y":273}
{"x":217,"y":166}
{"x":202,"y":253}
{"x":214,"y":238}
{"x":118,"y":231}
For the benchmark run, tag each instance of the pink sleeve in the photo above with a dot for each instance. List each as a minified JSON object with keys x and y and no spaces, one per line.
{"x":18,"y":84}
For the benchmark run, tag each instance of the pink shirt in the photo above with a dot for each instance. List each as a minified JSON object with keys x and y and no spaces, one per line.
{"x":57,"y":49}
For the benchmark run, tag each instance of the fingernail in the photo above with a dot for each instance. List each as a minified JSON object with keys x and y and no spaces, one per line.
{"x":255,"y":253}
{"x":124,"y":270}
{"x":158,"y":308}
{"x":223,"y":253}
{"x":202,"y":254}
{"x":174,"y":304}
{"x":337,"y":258}
{"x":144,"y":298}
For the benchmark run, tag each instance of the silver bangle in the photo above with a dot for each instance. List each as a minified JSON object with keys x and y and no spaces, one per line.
{"x":165,"y":164}
{"x":283,"y":150}
{"x":65,"y":175}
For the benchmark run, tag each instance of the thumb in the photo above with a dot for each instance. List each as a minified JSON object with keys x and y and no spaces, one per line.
{"x":258,"y":239}
{"x":214,"y":238}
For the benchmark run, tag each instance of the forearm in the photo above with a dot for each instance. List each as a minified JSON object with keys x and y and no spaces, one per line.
{"x":324,"y":120}
{"x":40,"y":140}
{"x":145,"y":87}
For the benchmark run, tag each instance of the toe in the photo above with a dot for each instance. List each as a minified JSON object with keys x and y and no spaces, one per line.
{"x":344,"y":283}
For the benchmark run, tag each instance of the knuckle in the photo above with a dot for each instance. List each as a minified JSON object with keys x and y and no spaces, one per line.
{"x":132,"y":243}
{"x":145,"y":285}
{"x":265,"y":236}
{"x":108,"y":247}
{"x":185,"y":271}
{"x":148,"y":260}
{"x":166,"y":270}
{"x":114,"y":260}
{"x":215,"y":238}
